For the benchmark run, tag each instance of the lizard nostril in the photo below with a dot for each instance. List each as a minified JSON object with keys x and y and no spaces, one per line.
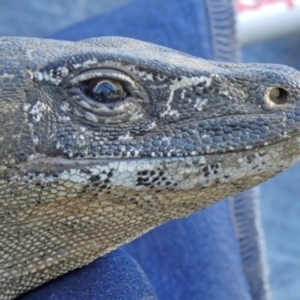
{"x":278,"y":95}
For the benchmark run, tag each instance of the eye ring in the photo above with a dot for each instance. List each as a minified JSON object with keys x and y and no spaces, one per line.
{"x":104,"y":73}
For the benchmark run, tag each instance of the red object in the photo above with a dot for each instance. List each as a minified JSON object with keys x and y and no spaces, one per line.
{"x":242,"y":6}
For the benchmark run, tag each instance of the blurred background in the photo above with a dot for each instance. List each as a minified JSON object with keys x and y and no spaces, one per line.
{"x":269,"y":32}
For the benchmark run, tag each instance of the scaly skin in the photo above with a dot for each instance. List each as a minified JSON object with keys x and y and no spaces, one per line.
{"x":104,"y":139}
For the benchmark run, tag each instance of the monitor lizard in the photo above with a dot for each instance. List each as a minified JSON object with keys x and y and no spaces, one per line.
{"x":106,"y":138}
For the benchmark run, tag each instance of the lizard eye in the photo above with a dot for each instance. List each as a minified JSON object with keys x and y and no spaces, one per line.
{"x":106,"y":96}
{"x":105,"y":90}
{"x":104,"y":86}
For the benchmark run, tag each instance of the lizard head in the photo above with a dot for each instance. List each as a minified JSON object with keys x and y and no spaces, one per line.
{"x":122,"y":98}
{"x":103,"y":139}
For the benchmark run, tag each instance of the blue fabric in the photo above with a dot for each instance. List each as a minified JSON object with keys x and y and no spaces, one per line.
{"x":117,"y":276}
{"x":181,"y":25}
{"x":193,"y":258}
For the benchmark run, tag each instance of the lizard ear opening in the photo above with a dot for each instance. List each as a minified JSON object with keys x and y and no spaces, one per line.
{"x":278,"y":96}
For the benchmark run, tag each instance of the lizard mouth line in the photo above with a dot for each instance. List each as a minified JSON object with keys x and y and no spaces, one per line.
{"x":36,"y":159}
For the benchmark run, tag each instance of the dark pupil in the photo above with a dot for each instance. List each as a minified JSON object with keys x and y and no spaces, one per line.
{"x":107,"y":91}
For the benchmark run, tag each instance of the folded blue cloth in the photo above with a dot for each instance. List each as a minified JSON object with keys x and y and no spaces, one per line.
{"x":198,"y":257}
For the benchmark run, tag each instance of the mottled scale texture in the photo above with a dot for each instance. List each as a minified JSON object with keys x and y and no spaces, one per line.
{"x":80,"y":176}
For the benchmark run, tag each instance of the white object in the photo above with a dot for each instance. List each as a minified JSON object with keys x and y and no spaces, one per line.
{"x":261,"y":20}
